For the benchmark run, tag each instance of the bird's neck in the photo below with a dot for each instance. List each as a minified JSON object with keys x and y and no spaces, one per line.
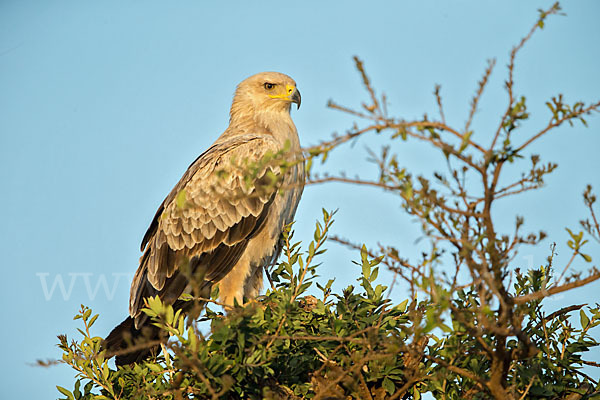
{"x":275,"y":122}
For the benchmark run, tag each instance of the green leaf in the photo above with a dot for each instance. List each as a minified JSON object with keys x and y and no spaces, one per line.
{"x":186,"y":297}
{"x":585,"y":321}
{"x":181,"y":198}
{"x":154,"y":367}
{"x":92,"y":320}
{"x":169,"y":315}
{"x":389,"y":386}
{"x":374,"y":274}
{"x":465,"y":141}
{"x":366,"y":270}
{"x":65,"y":392}
{"x":402,"y":306}
{"x":416,"y":394}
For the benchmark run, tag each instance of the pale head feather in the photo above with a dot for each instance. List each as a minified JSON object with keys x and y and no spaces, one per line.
{"x":257,"y":105}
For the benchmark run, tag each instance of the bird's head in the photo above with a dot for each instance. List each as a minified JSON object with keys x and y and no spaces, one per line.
{"x":266,"y":92}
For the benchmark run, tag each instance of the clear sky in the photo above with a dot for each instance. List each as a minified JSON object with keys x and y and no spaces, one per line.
{"x":103,"y":105}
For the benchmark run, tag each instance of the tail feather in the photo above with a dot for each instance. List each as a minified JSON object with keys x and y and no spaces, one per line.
{"x":131,"y":345}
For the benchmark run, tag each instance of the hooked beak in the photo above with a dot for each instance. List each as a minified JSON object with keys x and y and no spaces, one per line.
{"x":296,"y":98}
{"x":291,"y":94}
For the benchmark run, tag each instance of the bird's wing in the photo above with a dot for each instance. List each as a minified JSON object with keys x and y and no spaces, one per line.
{"x":210,"y":214}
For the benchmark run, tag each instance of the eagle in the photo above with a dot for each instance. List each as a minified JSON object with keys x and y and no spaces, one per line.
{"x":223,"y":221}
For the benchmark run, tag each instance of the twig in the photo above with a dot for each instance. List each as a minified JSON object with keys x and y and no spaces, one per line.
{"x":480,"y":87}
{"x":438,"y":99}
{"x":528,"y":387}
{"x":557,"y":122}
{"x":556,"y":289}
{"x":511,"y":66}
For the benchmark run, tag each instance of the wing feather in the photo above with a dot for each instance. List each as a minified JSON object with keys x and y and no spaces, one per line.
{"x":205,"y":220}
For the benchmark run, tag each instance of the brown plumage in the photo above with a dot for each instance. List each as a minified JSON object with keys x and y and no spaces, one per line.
{"x":216,"y":223}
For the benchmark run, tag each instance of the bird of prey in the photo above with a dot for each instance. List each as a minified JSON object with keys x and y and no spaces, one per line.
{"x":222,"y":221}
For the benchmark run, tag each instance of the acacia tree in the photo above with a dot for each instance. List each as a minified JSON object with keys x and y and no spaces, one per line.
{"x":473,"y":327}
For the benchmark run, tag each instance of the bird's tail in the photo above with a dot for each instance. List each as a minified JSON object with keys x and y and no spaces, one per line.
{"x":131,"y":345}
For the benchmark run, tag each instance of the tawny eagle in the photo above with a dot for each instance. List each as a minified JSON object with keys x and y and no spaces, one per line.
{"x":215,"y":223}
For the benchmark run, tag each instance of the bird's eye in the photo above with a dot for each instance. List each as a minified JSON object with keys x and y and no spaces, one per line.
{"x":269,"y":86}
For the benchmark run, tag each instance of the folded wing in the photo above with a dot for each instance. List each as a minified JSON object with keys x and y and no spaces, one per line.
{"x":220,"y":203}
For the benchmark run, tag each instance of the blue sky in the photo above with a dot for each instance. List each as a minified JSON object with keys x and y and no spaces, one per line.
{"x":103,"y":105}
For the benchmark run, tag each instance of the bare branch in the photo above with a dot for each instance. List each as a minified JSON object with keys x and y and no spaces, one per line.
{"x":480,"y":87}
{"x":438,"y":99}
{"x":511,"y":66}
